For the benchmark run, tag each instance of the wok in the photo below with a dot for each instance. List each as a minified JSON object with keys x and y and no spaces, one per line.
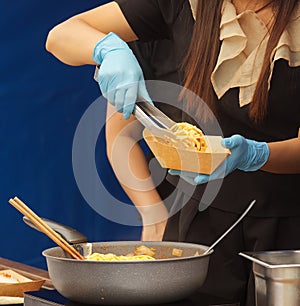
{"x":167,"y":279}
{"x":128,"y":282}
{"x":164,"y":280}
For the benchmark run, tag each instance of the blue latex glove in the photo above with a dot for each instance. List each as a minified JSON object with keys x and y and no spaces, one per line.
{"x":120,"y":76}
{"x":246,"y":155}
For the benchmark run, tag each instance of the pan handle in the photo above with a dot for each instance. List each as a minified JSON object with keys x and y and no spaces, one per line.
{"x":68,"y":233}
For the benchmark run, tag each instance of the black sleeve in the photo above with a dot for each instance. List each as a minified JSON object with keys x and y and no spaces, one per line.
{"x":151,"y":19}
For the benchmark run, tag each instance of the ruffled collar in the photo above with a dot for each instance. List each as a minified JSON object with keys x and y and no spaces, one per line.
{"x":244,"y":38}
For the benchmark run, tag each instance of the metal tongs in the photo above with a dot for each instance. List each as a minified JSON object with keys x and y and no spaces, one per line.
{"x":152,"y":118}
{"x":155,"y":120}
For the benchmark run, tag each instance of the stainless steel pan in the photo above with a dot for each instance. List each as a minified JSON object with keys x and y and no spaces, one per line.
{"x":164,"y":280}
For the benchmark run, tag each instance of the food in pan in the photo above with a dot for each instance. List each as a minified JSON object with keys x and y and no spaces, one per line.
{"x":143,"y":250}
{"x":140,"y":253}
{"x":177,"y":252}
{"x":113,"y":257}
{"x":191,"y":136}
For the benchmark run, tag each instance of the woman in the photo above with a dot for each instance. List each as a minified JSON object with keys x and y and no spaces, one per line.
{"x":242,"y":58}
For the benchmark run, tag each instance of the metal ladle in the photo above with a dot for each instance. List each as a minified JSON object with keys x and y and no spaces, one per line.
{"x":231,"y":227}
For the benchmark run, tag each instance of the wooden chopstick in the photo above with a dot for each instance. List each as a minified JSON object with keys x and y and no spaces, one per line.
{"x":44,"y":227}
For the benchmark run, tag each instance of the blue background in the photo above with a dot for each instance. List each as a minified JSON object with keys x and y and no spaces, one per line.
{"x":41,"y":103}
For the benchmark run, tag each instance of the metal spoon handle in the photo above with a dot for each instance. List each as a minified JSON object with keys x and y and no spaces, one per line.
{"x":232,"y":226}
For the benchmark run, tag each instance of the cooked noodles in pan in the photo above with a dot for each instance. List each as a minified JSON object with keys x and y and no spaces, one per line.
{"x":140,"y":253}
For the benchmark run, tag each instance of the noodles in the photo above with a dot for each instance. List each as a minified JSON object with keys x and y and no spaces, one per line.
{"x":190,"y":135}
{"x":113,"y":257}
{"x":140,"y":253}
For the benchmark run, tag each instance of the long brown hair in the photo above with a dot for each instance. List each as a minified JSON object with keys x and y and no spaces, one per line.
{"x":204,"y":49}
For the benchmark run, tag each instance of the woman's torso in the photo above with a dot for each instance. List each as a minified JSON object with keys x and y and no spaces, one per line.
{"x":276,"y":194}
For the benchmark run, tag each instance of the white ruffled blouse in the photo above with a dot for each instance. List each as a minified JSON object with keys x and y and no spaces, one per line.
{"x":244,"y":38}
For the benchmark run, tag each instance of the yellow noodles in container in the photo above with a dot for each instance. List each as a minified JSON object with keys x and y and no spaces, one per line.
{"x":191,"y":136}
{"x":200,"y":154}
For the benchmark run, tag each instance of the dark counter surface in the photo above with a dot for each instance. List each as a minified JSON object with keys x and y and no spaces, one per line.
{"x":52,"y":297}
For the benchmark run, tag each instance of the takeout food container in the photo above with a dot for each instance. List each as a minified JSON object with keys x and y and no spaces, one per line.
{"x":186,"y":159}
{"x":15,"y":284}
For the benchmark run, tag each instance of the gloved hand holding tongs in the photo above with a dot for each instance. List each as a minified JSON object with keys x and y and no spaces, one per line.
{"x":120,"y":76}
{"x":121,"y":81}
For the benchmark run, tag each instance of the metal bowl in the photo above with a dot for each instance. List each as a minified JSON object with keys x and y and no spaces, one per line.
{"x":277,"y":277}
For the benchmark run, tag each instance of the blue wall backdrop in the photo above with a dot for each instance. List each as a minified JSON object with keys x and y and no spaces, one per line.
{"x":41,"y":103}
